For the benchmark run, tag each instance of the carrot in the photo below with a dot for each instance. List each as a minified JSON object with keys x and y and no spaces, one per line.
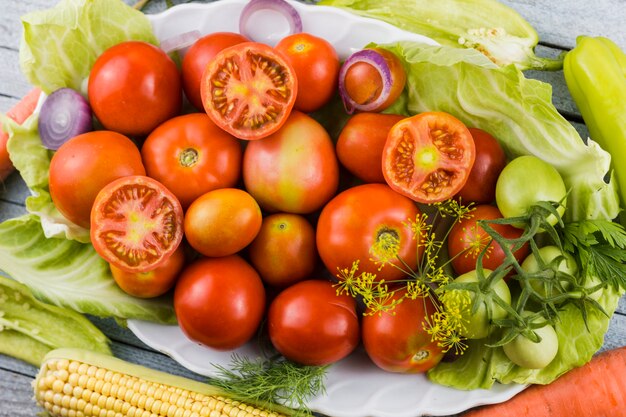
{"x":20,"y":112}
{"x":597,"y":389}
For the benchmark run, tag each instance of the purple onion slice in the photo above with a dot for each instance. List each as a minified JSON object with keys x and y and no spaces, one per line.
{"x":281,"y":6}
{"x":180,"y":41}
{"x":64,"y":114}
{"x":378,"y":62}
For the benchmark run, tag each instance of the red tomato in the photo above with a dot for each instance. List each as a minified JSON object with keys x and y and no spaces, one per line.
{"x":134,"y":87}
{"x":310,"y":324}
{"x":151,"y":283}
{"x":197,"y":58}
{"x":86,"y":163}
{"x":284,"y":251}
{"x":467,"y":238}
{"x":222,"y":222}
{"x":295,"y":170}
{"x":249,"y":90}
{"x":219,"y":302}
{"x":396,"y":340}
{"x":136,"y":223}
{"x":480,"y":187}
{"x":190,"y":155}
{"x":428,"y":157}
{"x":364,"y":83}
{"x":360,"y":218}
{"x":316,"y":64}
{"x":361,"y":142}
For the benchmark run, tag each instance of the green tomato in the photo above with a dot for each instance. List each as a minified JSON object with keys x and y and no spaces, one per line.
{"x":478,"y":325}
{"x":525,"y":181}
{"x":533,"y":355}
{"x":548,"y":254}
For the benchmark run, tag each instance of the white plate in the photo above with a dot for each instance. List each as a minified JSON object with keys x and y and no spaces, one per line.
{"x":354,"y":386}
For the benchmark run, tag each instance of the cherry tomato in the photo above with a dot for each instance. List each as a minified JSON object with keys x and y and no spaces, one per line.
{"x":554,"y":262}
{"x":310,"y":324}
{"x":198,"y":56}
{"x":364,"y":83}
{"x":249,"y":90}
{"x":316,"y":64}
{"x":480,"y":187}
{"x":86,"y":163}
{"x":467,"y":239}
{"x":397,"y":341}
{"x":428,"y":157}
{"x":295,"y":170}
{"x":151,"y":283}
{"x":219,"y":302}
{"x":190,"y":155}
{"x":284,"y":251}
{"x":134,"y":87}
{"x":222,"y":222}
{"x":531,"y":354}
{"x":515,"y":197}
{"x":478,"y":323}
{"x":361,"y":142}
{"x":136,"y":223}
{"x":362,"y":218}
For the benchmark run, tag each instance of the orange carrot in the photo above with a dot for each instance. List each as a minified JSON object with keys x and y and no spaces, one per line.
{"x":20,"y":112}
{"x":597,"y":389}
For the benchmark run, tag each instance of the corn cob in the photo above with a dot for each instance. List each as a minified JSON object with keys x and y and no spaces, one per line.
{"x":81,"y":383}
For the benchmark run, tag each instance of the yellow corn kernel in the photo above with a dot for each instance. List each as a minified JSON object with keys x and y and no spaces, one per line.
{"x":74,"y":382}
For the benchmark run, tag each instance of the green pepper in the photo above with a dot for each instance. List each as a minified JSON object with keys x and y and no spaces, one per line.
{"x":489,"y":26}
{"x":595,"y":73}
{"x":29,"y":328}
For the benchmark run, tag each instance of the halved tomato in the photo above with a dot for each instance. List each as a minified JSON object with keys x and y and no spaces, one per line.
{"x":428,"y":157}
{"x":136,"y":223}
{"x":249,"y":90}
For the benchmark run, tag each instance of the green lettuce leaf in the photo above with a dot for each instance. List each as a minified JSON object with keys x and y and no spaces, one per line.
{"x":32,"y":161}
{"x":481,"y":366}
{"x":489,"y":26}
{"x":60,"y":45}
{"x":70,"y":274}
{"x":517,"y":111}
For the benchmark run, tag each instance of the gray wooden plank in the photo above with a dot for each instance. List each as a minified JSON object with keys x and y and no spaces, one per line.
{"x":560,"y":22}
{"x":12,"y":80}
{"x":16,"y":395}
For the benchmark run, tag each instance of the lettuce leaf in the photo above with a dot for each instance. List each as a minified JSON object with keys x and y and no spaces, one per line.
{"x":481,"y":366}
{"x":489,"y":26}
{"x":70,"y":274}
{"x":60,"y":45}
{"x":32,"y":161}
{"x":516,"y":110}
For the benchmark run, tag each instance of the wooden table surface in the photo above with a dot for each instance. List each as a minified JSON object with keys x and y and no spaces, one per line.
{"x":558,"y":24}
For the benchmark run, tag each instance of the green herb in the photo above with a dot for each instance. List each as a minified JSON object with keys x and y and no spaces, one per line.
{"x":600,"y":247}
{"x":274,"y":380}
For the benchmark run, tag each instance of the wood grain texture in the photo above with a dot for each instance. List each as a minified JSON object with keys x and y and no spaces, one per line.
{"x":557,"y":24}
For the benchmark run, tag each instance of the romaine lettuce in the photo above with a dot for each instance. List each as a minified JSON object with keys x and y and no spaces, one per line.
{"x":516,"y":110}
{"x":70,"y":274}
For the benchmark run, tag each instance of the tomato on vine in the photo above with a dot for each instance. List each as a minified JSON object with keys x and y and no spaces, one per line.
{"x":467,"y":239}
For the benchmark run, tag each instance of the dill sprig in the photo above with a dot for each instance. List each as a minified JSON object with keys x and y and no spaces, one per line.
{"x":271,"y":380}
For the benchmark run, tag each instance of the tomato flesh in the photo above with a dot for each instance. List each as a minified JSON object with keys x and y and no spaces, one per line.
{"x":136,"y":223}
{"x":428,"y":157}
{"x":249,"y":90}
